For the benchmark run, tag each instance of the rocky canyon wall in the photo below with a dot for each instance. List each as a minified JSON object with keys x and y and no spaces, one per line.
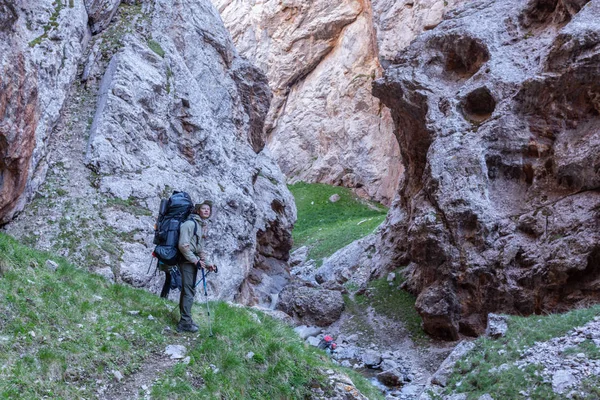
{"x":321,"y":58}
{"x":162,"y":102}
{"x":497,"y":114}
{"x":38,"y":64}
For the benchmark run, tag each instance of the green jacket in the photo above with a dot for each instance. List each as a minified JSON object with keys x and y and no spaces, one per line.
{"x":190,"y":245}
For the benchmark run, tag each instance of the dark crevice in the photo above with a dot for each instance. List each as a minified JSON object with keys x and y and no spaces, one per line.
{"x":479,"y":105}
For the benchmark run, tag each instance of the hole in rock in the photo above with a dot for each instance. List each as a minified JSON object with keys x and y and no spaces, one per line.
{"x":478,"y":105}
{"x":464,"y":55}
{"x":540,"y":12}
{"x":590,"y":273}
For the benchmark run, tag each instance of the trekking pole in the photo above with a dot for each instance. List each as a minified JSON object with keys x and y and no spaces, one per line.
{"x":206,"y":299}
{"x":149,"y":266}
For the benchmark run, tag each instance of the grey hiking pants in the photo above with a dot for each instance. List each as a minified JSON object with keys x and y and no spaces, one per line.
{"x":189,"y":273}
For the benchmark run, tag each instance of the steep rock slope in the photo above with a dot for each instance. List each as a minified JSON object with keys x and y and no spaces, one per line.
{"x":497,"y":115}
{"x":40,"y":46}
{"x":321,"y":57}
{"x":166,"y":103}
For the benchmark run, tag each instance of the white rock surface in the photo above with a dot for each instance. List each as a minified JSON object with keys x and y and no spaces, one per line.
{"x":176,"y":108}
{"x":41,"y":44}
{"x":175,"y":351}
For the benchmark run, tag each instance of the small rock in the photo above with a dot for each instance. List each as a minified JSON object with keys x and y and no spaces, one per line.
{"x":151,"y":318}
{"x":459,"y":396}
{"x":298,"y":257}
{"x":371,"y":358}
{"x":387,"y":365}
{"x":485,"y":397}
{"x":32,"y":333}
{"x":393,"y":377}
{"x":334,"y":198}
{"x":410,"y":391}
{"x":497,"y":326}
{"x":305,"y":331}
{"x":562,"y":380}
{"x":133,"y":312}
{"x":214,"y":368}
{"x":313,"y":341}
{"x":176,"y":351}
{"x":51,"y":265}
{"x":249,"y":355}
{"x":187,"y":360}
{"x":118,"y":375}
{"x":391,"y":276}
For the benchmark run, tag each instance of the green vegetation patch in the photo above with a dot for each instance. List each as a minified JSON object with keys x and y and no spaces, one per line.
{"x":251,"y":356}
{"x":387,"y":300}
{"x":52,"y":23}
{"x":478,"y":372}
{"x":64,"y":333}
{"x":155,"y":47}
{"x":131,"y":206}
{"x":327,"y":227}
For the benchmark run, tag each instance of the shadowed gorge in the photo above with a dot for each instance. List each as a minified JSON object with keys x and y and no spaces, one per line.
{"x":404,"y":199}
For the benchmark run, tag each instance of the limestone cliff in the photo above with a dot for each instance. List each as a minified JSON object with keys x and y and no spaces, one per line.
{"x":163,"y":103}
{"x":498,"y":117}
{"x":38,"y":64}
{"x":320,"y":58}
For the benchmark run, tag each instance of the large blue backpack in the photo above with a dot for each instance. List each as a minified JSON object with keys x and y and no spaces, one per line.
{"x":171,"y":214}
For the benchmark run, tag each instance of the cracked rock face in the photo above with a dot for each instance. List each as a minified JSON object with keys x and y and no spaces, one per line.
{"x":176,"y":108}
{"x":320,"y":57}
{"x":40,"y":47}
{"x":498,"y":120}
{"x":397,"y":23}
{"x":100,"y":12}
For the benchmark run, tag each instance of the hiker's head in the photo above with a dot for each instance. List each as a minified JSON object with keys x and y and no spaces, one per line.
{"x":204,"y":209}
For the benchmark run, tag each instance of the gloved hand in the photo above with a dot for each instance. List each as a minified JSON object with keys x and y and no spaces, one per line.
{"x":200,"y":264}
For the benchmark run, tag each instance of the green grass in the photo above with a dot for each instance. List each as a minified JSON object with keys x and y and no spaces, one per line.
{"x":327,"y":227}
{"x":472,"y":373}
{"x":155,"y":47}
{"x":61,"y":332}
{"x":389,"y":301}
{"x":282,"y":366}
{"x":131,"y":206}
{"x":52,"y":23}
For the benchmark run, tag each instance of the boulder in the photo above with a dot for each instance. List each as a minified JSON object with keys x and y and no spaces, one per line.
{"x":392,"y":377}
{"x":371,"y":358}
{"x":311,"y":305}
{"x":440,"y":377}
{"x":351,"y":262}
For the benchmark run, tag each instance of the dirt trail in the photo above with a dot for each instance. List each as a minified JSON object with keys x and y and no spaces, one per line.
{"x":138,"y":385}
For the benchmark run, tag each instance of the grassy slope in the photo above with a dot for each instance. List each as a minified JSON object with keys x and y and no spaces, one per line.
{"x":472,"y":374}
{"x":325,"y":226}
{"x":62,"y":331}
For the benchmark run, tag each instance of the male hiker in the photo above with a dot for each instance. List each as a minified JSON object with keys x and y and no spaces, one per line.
{"x":191,"y":236}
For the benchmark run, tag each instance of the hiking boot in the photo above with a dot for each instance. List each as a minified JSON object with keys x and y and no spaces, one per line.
{"x":195,"y":324}
{"x":187,"y":328}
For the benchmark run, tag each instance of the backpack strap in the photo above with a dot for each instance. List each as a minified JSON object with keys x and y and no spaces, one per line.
{"x":195,"y":226}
